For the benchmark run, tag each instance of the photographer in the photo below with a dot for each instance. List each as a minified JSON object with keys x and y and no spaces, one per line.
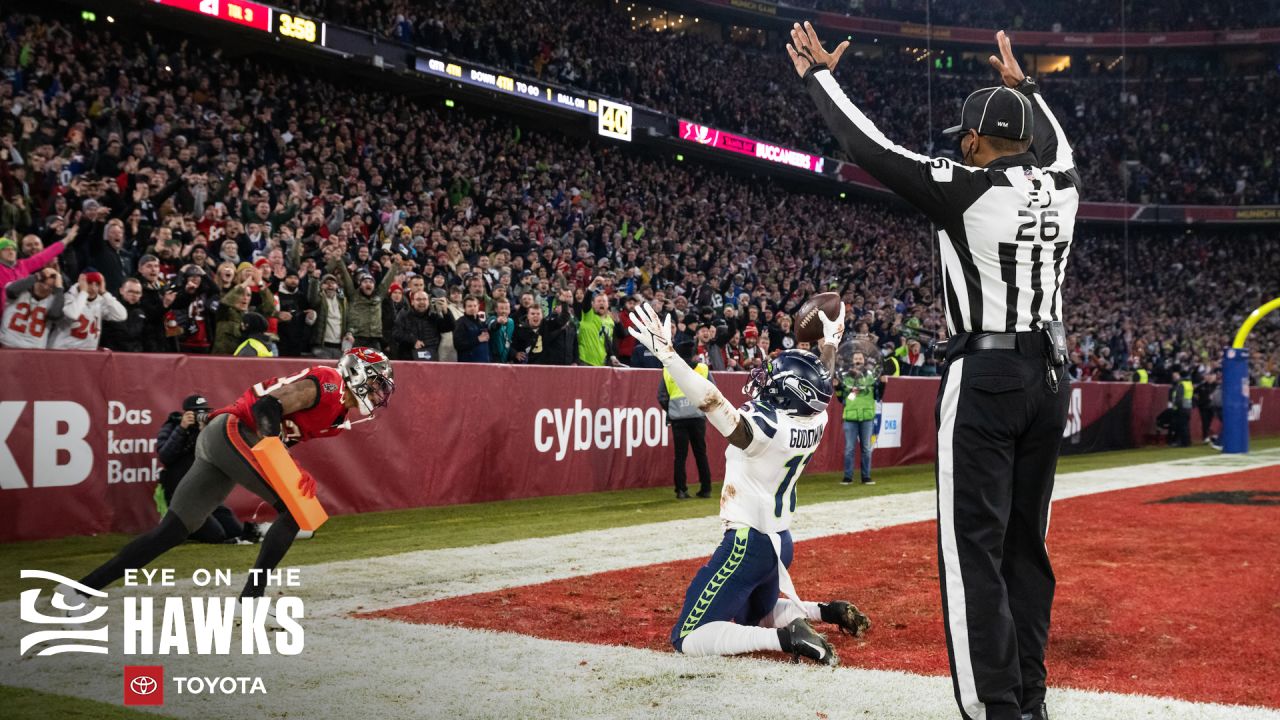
{"x":418,"y":328}
{"x":859,"y":393}
{"x":176,"y":448}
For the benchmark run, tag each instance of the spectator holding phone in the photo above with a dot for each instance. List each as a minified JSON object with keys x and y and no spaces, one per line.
{"x":420,"y":327}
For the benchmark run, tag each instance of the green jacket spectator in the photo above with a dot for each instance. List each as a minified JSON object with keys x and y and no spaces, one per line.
{"x":595,"y":333}
{"x":231,"y":310}
{"x":364,"y":305}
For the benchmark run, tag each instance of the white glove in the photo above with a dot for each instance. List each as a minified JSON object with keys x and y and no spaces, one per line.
{"x":832,"y":330}
{"x":652,"y":332}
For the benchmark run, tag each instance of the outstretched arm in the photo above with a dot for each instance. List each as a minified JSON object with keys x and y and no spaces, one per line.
{"x":921,"y":180}
{"x":1048,"y":143}
{"x":656,"y":335}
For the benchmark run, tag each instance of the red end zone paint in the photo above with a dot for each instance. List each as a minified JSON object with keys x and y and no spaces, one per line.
{"x":1172,"y":599}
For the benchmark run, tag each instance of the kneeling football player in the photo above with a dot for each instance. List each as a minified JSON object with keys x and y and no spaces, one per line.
{"x":732,"y":605}
{"x":310,"y":404}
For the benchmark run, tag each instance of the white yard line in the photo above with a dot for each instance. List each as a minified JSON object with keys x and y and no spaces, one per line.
{"x":386,"y":669}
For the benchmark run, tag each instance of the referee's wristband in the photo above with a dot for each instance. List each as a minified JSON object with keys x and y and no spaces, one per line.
{"x":1027,"y":87}
{"x":813,"y":68}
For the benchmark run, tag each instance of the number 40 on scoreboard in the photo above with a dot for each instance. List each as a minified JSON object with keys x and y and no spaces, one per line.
{"x":614,"y":120}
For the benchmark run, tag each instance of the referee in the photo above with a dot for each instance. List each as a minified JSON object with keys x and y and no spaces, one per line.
{"x":1005,"y":221}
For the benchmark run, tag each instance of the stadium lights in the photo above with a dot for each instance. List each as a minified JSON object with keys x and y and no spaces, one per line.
{"x":842,"y":195}
{"x":679,"y":157}
{"x":88,"y":16}
{"x":110,"y":19}
{"x":449,"y":103}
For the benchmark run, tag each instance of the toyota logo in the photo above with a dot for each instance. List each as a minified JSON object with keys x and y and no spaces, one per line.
{"x":143,"y":685}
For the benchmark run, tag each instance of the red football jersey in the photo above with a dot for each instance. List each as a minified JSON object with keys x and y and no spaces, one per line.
{"x":324,"y":419}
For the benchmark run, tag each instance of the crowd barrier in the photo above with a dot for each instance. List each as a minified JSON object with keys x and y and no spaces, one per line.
{"x":77,"y":434}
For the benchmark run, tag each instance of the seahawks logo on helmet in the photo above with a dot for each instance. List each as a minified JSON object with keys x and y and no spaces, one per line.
{"x":795,"y":382}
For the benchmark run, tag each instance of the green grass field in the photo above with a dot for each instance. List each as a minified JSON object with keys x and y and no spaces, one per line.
{"x":351,"y":537}
{"x":23,"y":704}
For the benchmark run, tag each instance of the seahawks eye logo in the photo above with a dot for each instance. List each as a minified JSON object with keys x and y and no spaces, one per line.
{"x":805,"y":390}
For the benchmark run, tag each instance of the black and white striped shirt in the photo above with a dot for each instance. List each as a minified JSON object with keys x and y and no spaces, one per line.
{"x":1004,"y":231}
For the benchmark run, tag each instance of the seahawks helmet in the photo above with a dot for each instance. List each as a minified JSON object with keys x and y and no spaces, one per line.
{"x":794,"y":382}
{"x":367,"y":374}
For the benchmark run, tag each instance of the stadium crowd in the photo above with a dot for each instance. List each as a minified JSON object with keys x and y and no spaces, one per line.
{"x":1080,"y":16}
{"x":207,"y":204}
{"x":1147,"y":138}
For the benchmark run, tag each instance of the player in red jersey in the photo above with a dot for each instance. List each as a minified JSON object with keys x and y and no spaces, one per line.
{"x":310,"y":404}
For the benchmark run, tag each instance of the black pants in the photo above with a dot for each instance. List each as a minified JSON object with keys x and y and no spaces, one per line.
{"x":1206,"y":421}
{"x":1180,"y":431}
{"x":999,"y":428}
{"x":693,"y":433}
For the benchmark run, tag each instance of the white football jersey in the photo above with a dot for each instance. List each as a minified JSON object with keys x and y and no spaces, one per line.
{"x":80,"y":327}
{"x":760,"y":481}
{"x":26,"y":321}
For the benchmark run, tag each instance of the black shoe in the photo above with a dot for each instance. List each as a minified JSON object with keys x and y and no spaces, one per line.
{"x":1040,"y":713}
{"x":704,"y":493}
{"x":252,"y":532}
{"x":868,"y":481}
{"x":846,"y":616}
{"x":682,"y":494}
{"x":801,"y":640}
{"x":847,"y":481}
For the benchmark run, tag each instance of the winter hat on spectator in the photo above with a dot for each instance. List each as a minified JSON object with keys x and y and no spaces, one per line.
{"x":242,"y":266}
{"x":327,"y":277}
{"x":8,"y":244}
{"x":92,"y":276}
{"x":196,"y":402}
{"x":395,"y":287}
{"x":252,"y":323}
{"x":261,"y":262}
{"x":750,"y":332}
{"x":146,"y":259}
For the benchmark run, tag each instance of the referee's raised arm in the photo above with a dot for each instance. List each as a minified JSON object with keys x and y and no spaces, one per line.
{"x":917,"y":178}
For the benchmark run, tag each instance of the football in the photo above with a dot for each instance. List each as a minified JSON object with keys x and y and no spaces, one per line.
{"x":808,"y":326}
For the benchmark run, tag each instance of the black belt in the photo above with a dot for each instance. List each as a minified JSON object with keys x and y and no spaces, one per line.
{"x":992,"y":341}
{"x":333,"y":345}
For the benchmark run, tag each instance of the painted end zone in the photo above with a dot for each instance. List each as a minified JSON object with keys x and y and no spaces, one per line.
{"x":1169,"y":590}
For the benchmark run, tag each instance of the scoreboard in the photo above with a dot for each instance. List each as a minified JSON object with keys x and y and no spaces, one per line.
{"x":255,"y":16}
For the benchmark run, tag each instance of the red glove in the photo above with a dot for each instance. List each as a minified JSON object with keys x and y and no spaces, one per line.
{"x":307,"y":484}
